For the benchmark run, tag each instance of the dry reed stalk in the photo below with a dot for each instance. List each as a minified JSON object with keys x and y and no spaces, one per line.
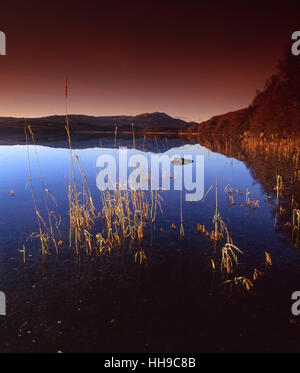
{"x":268,"y":259}
{"x":241,"y":282}
{"x":81,"y":211}
{"x":41,"y":222}
{"x":46,"y":192}
{"x":296,"y":219}
{"x":181,"y":217}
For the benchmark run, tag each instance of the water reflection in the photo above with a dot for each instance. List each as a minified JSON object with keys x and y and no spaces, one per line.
{"x":275,"y":164}
{"x":148,"y":289}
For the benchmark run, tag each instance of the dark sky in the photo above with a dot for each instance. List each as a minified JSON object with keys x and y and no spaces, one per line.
{"x":189,"y":59}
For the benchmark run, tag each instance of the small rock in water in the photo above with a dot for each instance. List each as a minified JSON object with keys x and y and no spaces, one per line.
{"x":179,"y":161}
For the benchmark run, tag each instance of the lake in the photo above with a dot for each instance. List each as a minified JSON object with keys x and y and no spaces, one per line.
{"x":161,"y":288}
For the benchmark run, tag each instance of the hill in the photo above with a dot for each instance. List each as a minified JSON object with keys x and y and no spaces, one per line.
{"x":274,"y":111}
{"x":54,"y":126}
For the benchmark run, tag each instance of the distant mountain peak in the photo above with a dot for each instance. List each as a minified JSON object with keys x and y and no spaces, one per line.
{"x":155,"y":114}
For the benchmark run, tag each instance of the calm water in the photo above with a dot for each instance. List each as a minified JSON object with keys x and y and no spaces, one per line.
{"x":174,"y":303}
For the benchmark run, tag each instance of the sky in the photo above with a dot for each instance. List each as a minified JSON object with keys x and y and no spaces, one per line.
{"x":190,"y":59}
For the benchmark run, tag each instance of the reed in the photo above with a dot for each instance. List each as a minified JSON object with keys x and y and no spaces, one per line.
{"x":126,"y":214}
{"x":140,"y":257}
{"x":279,"y":187}
{"x":217,"y":214}
{"x":229,"y":251}
{"x":241,"y":282}
{"x":250,"y":202}
{"x":268,"y":259}
{"x":45,"y":233}
{"x":82,"y":212}
{"x":229,"y":257}
{"x":213,"y":265}
{"x":46,"y":193}
{"x":181,"y":217}
{"x":296,"y":219}
{"x":256,"y":274}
